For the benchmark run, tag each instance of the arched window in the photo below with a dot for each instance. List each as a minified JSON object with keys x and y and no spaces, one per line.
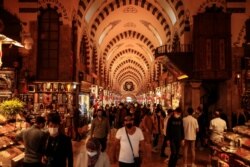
{"x":48,"y":45}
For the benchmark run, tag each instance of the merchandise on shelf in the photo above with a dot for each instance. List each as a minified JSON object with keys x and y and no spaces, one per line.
{"x":234,"y":151}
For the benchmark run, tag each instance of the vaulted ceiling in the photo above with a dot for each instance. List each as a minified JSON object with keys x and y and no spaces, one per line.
{"x":126,"y":33}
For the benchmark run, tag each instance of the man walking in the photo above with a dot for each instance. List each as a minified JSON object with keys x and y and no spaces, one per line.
{"x":175,"y":134}
{"x":191,"y":127}
{"x":100,"y":129}
{"x":34,"y":140}
{"x":131,"y":141}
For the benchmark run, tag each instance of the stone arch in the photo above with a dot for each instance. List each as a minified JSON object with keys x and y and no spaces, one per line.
{"x":143,"y":4}
{"x":131,"y":68}
{"x":128,"y":95}
{"x":207,"y":4}
{"x":51,"y":6}
{"x":128,"y":62}
{"x":126,"y":51}
{"x":95,"y":60}
{"x":128,"y":72}
{"x":127,"y":34}
{"x":85,"y":51}
{"x":82,"y":6}
{"x":240,"y":38}
{"x":179,"y":8}
{"x":125,"y":77}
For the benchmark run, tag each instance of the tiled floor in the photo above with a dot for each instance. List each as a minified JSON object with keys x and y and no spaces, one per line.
{"x":153,"y":159}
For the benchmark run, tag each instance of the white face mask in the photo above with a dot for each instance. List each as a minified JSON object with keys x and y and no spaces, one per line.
{"x":91,"y":154}
{"x":53,"y":131}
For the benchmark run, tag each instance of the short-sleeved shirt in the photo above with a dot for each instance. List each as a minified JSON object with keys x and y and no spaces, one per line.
{"x":217,"y":127}
{"x":190,"y":125}
{"x":125,"y":154}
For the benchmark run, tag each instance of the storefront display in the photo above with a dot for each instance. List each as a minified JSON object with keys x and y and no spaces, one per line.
{"x":55,"y":94}
{"x":234,"y":151}
{"x":167,"y":96}
{"x":7,"y":82}
{"x":84,"y":102}
{"x":11,"y":153}
{"x":176,"y":94}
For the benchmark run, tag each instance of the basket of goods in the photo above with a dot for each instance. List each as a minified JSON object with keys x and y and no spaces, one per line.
{"x":10,"y":108}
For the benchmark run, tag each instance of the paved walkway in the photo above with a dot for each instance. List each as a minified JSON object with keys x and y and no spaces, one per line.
{"x":153,"y":159}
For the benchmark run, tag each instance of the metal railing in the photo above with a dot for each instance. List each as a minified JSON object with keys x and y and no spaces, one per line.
{"x":165,"y":49}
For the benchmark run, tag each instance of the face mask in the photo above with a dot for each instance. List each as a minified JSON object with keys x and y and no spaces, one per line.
{"x":53,"y":131}
{"x":91,"y":154}
{"x":129,"y":126}
{"x":136,"y":105}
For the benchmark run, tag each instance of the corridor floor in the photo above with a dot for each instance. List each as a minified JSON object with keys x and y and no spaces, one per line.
{"x":154,"y":159}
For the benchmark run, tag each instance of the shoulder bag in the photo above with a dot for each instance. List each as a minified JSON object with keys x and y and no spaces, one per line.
{"x":137,"y":160}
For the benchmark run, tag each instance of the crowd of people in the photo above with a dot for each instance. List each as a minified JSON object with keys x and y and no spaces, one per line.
{"x":137,"y":128}
{"x":174,"y":129}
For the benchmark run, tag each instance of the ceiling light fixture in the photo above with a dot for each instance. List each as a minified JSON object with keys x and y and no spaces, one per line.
{"x":7,"y":40}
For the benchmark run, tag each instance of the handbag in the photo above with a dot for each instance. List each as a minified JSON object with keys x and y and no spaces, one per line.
{"x":137,"y":160}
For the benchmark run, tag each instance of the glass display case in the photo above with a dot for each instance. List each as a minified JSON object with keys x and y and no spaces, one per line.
{"x":11,"y":153}
{"x":234,"y":150}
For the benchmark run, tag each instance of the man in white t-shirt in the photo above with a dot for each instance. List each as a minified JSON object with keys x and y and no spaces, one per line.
{"x":217,"y":127}
{"x":191,"y":127}
{"x":126,"y":155}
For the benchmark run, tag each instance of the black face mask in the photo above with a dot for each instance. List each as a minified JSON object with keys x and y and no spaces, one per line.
{"x":129,"y":126}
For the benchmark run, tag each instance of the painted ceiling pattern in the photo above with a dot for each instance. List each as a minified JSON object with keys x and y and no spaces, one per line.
{"x":121,"y":36}
{"x":126,"y":44}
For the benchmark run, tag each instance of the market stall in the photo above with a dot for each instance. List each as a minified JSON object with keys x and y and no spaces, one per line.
{"x":234,"y":150}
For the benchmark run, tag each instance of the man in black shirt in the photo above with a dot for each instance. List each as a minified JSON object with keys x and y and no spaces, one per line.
{"x":175,"y":135}
{"x":58,"y":151}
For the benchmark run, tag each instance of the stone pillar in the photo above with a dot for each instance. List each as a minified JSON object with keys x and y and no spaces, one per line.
{"x":196,"y":94}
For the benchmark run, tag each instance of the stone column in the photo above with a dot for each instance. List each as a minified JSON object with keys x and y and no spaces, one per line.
{"x":196,"y":94}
